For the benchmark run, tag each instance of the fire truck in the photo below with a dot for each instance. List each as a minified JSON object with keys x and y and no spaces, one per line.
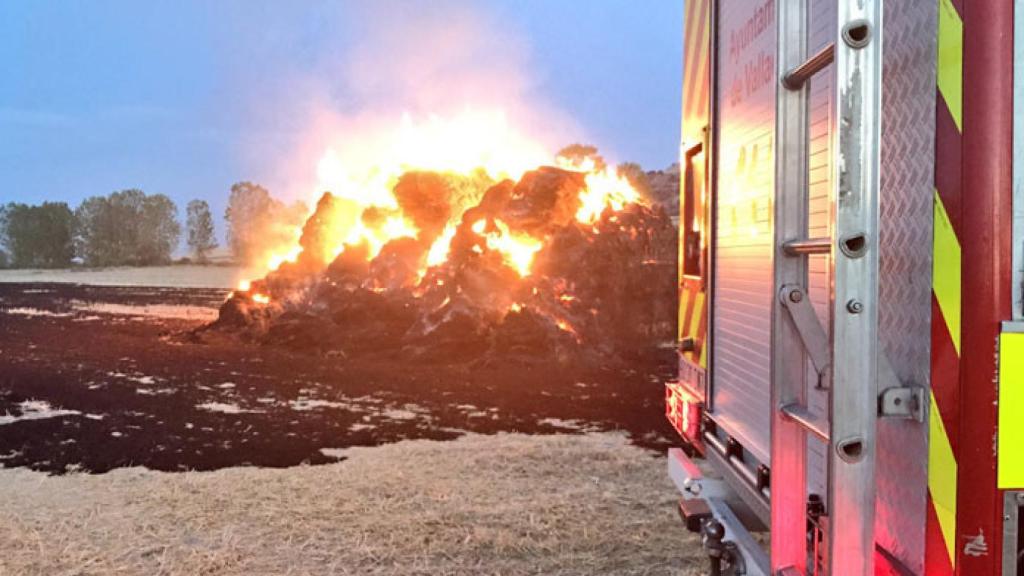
{"x":851,"y":330}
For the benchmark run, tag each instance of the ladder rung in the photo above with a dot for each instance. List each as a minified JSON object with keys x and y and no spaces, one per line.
{"x":808,"y":246}
{"x":795,"y":78}
{"x":804,"y":418}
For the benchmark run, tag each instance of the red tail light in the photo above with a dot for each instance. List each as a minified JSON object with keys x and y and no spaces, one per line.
{"x":683,"y":411}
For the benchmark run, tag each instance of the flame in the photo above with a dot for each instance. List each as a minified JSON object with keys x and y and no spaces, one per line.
{"x":366,"y":188}
{"x":244,"y":286}
{"x":261,"y":299}
{"x":517,"y":250}
{"x":375,"y":238}
{"x":439,"y":249}
{"x":361,"y":174}
{"x":604,"y":190}
{"x":472,"y":141}
{"x":467,"y":144}
{"x":276,"y":260}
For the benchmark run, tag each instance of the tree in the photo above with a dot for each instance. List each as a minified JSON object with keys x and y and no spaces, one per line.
{"x":577,"y":154}
{"x":249,"y":213}
{"x":258,"y":222}
{"x":665,"y":187}
{"x":98,"y":237}
{"x":160,"y":231}
{"x":637,"y":178}
{"x":127,"y":228}
{"x":38,"y":236}
{"x":200,"y":229}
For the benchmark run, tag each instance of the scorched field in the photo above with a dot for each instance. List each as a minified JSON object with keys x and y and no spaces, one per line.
{"x":96,"y":378}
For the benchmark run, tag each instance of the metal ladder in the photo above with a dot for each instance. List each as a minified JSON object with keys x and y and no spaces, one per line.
{"x":845,"y":357}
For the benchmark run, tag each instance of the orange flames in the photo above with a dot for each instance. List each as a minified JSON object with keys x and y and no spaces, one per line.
{"x":605,"y":189}
{"x":474,"y":145}
{"x":517,"y":250}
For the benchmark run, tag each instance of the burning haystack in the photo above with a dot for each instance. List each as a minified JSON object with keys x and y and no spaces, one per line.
{"x":564,"y":264}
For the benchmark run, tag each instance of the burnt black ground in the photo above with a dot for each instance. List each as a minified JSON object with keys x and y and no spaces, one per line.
{"x":138,"y":384}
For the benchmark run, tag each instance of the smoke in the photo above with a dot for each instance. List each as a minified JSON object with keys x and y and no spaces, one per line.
{"x":392,"y":64}
{"x":426,"y":57}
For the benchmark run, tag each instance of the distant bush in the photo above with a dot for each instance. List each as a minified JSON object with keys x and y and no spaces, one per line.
{"x":127,"y":228}
{"x":37,"y":236}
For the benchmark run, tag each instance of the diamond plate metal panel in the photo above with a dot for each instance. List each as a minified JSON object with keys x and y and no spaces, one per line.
{"x":905,"y":222}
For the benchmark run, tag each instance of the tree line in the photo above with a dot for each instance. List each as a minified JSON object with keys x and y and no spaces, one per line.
{"x":132,"y":228}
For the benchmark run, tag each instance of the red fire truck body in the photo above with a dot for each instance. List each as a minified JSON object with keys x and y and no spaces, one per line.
{"x":851,"y":326}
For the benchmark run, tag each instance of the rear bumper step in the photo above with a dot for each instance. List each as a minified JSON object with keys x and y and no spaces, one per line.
{"x":694,"y":511}
{"x":705,"y":498}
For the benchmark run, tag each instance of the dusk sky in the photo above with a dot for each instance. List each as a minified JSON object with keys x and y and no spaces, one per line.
{"x":186,"y":98}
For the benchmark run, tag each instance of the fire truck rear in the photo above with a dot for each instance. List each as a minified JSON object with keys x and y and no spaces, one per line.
{"x":851,"y":327}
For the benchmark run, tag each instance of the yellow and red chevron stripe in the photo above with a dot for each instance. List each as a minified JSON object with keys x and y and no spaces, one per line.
{"x":946,"y":299}
{"x":697,"y":62}
{"x":692,"y":319}
{"x":696,"y":93}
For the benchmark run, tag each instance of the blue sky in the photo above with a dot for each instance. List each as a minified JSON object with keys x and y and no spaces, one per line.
{"x":184,"y":98}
